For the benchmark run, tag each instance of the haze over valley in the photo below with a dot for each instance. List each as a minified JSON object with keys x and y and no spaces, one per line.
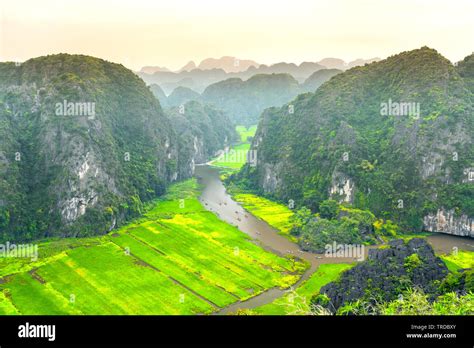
{"x":219,"y":169}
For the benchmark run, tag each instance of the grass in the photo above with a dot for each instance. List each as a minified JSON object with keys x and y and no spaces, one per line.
{"x":409,"y":235}
{"x":177,"y":259}
{"x":245,"y":133}
{"x":298,"y":301}
{"x":462,"y":259}
{"x":275,"y":214}
{"x":236,"y":157}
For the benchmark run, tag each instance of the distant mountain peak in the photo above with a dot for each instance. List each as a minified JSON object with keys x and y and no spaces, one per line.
{"x":360,"y":61}
{"x":227,"y":63}
{"x":333,"y":63}
{"x":188,"y":67}
{"x":153,"y":69}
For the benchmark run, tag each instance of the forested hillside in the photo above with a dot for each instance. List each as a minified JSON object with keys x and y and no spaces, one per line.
{"x":84,"y":144}
{"x":245,"y":100}
{"x":202,"y":131}
{"x":394,"y":137}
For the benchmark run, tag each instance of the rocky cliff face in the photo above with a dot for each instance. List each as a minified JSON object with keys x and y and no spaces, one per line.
{"x":342,"y":188}
{"x":446,"y":221}
{"x":202,"y":131}
{"x":84,"y":144}
{"x":270,"y":180}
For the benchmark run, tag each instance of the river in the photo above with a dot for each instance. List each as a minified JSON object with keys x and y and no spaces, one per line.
{"x":215,"y":198}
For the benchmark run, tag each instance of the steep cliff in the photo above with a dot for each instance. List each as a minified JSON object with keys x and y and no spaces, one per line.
{"x":202,"y":131}
{"x":83,"y":144}
{"x":447,"y":221}
{"x":394,"y":137}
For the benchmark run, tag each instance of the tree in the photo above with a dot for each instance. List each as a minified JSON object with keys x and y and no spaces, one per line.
{"x":300,"y":219}
{"x":4,"y":217}
{"x":328,"y":209}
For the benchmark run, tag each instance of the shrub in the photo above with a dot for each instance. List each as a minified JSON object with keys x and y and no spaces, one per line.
{"x":328,"y":209}
{"x":412,"y":262}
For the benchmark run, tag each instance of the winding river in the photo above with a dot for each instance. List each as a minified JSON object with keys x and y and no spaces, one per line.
{"x":215,"y":198}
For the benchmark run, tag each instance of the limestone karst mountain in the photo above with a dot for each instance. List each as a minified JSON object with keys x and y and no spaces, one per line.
{"x":243,"y":101}
{"x":84,"y":144}
{"x":394,"y":137}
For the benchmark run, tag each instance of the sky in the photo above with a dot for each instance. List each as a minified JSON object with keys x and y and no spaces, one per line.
{"x":171,"y":33}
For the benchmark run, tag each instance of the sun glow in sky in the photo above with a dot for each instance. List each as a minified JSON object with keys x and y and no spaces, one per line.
{"x":170,"y":33}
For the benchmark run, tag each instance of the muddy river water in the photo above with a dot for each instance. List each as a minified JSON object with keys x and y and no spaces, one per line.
{"x":215,"y":198}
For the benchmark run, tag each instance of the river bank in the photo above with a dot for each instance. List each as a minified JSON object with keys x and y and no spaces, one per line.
{"x":215,"y":198}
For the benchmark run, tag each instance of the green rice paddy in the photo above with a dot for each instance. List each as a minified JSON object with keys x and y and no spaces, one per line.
{"x":245,"y":132}
{"x":275,"y":214}
{"x":177,"y":259}
{"x":460,"y":260}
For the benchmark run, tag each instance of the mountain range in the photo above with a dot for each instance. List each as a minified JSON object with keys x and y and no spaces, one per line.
{"x":244,"y":101}
{"x":85,"y":143}
{"x":226,"y":63}
{"x":212,"y":70}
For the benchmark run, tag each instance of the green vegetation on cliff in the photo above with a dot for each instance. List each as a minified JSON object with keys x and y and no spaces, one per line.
{"x":244,"y":101}
{"x":85,"y":143}
{"x":339,"y":142}
{"x":202,"y":131}
{"x":84,"y":169}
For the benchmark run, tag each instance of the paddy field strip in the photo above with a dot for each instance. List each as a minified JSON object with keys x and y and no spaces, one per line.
{"x":462,"y":259}
{"x":177,"y":259}
{"x":275,"y":214}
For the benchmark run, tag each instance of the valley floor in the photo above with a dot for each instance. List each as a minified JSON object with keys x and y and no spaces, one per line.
{"x":178,"y":259}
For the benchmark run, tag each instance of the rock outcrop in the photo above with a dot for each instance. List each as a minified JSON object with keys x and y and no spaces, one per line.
{"x":387,"y":272}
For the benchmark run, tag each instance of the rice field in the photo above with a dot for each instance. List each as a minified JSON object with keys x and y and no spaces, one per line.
{"x":177,"y":259}
{"x":460,"y":260}
{"x":275,"y":214}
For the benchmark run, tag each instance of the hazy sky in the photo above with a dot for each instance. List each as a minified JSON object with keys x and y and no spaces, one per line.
{"x":170,"y":33}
